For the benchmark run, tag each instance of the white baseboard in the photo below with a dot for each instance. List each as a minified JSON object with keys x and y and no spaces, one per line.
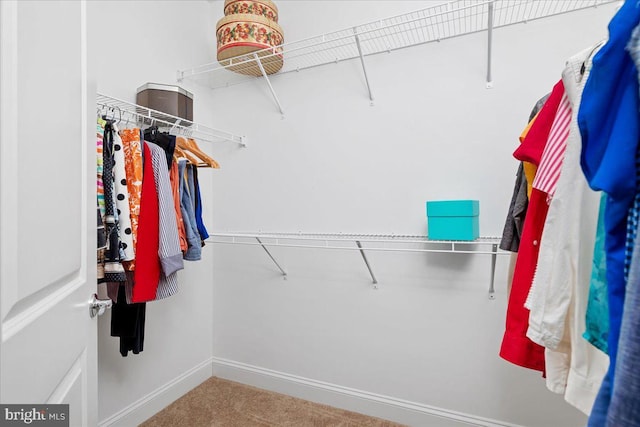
{"x":372,"y":404}
{"x":147,"y":406}
{"x":390,"y":408}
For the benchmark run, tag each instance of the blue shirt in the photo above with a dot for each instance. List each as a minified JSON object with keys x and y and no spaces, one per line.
{"x":608,"y":121}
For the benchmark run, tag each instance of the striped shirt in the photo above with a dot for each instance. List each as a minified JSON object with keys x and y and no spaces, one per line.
{"x":169,"y":248}
{"x":99,"y":164}
{"x":551,"y":162}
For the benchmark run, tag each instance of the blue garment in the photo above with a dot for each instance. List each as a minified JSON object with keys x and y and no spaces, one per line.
{"x":624,"y":409}
{"x":597,"y":316}
{"x":608,"y":121}
{"x":194,"y":249}
{"x":598,"y":417}
{"x":204,"y":234}
{"x":632,"y":231}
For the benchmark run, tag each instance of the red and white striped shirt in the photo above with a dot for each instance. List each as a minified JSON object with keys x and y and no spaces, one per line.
{"x":551,"y":162}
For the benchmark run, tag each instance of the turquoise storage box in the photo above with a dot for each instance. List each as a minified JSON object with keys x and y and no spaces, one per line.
{"x":453,"y":219}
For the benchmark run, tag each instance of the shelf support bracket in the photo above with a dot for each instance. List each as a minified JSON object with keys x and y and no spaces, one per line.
{"x":364,"y":257}
{"x":284,"y":273}
{"x":364,"y":66}
{"x":266,"y":78}
{"x":494,"y":255}
{"x":489,"y":44}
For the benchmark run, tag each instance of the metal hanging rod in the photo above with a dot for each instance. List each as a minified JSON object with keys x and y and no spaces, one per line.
{"x":126,"y":111}
{"x":365,"y":242}
{"x":432,"y":24}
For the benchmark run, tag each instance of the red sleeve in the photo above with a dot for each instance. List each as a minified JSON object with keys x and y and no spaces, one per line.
{"x":533,"y":145}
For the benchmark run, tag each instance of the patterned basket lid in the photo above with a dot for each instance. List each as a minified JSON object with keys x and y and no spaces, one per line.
{"x":265,"y":8}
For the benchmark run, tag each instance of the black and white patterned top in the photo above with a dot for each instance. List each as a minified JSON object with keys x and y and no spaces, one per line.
{"x":113,"y":270}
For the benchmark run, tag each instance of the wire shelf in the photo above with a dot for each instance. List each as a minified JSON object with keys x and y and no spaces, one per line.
{"x":427,"y":25}
{"x":374,"y":242}
{"x":128,"y":112}
{"x":364,"y":243}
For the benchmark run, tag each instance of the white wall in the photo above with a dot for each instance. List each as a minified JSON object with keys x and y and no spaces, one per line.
{"x":132,"y":43}
{"x":429,"y":335}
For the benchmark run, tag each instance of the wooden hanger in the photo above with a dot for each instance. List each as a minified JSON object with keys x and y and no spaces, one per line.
{"x":188,"y":144}
{"x":192,"y":159}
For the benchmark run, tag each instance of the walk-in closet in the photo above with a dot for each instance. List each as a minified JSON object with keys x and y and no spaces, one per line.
{"x":319,"y":213}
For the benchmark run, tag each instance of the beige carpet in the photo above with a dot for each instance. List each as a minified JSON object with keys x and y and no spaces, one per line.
{"x":222,"y":403}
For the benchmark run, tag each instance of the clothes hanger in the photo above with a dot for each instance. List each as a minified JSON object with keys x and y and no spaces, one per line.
{"x":101,"y":118}
{"x":193,"y":158}
{"x":151,"y":132}
{"x":119,"y":115}
{"x":190,"y":158}
{"x":126,"y":125}
{"x":208,"y":160}
{"x":189,"y":144}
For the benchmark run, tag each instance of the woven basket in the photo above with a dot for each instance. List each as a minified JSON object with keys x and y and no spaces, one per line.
{"x":264,"y":8}
{"x":240,"y":34}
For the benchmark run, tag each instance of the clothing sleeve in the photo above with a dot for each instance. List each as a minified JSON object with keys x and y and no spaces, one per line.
{"x":515,"y":217}
{"x":530,"y":150}
{"x":175,"y":189}
{"x":169,"y":248}
{"x":134,"y":171}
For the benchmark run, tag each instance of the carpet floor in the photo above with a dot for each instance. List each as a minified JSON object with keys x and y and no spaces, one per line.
{"x":222,"y":403}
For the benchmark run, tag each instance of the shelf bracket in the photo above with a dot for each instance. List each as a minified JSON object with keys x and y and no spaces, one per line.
{"x":489,"y":84}
{"x":266,"y":78}
{"x":364,"y":66}
{"x":284,"y":273}
{"x":364,"y":257}
{"x":494,"y":255}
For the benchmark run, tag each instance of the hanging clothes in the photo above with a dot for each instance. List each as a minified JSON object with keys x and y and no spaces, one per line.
{"x":624,"y":409}
{"x":174,"y":178}
{"x":101,"y":239}
{"x":202,"y":230}
{"x":100,"y":163}
{"x":133,"y":169}
{"x":512,"y":231}
{"x":546,"y":181}
{"x":597,"y":315}
{"x":128,"y":322}
{"x":608,"y":120}
{"x":147,"y":272}
{"x":121,"y":193}
{"x":164,"y":140}
{"x":144,"y":198}
{"x":559,"y":295}
{"x":516,"y":347}
{"x":194,"y":251}
{"x":113,"y":270}
{"x":169,"y":243}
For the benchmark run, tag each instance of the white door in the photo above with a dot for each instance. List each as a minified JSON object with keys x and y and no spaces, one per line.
{"x":47,"y":208}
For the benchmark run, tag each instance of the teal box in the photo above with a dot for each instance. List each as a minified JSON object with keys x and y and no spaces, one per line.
{"x":453,"y":219}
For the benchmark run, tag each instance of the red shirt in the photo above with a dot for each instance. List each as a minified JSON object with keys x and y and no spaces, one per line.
{"x":516,"y":347}
{"x":147,"y":273}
